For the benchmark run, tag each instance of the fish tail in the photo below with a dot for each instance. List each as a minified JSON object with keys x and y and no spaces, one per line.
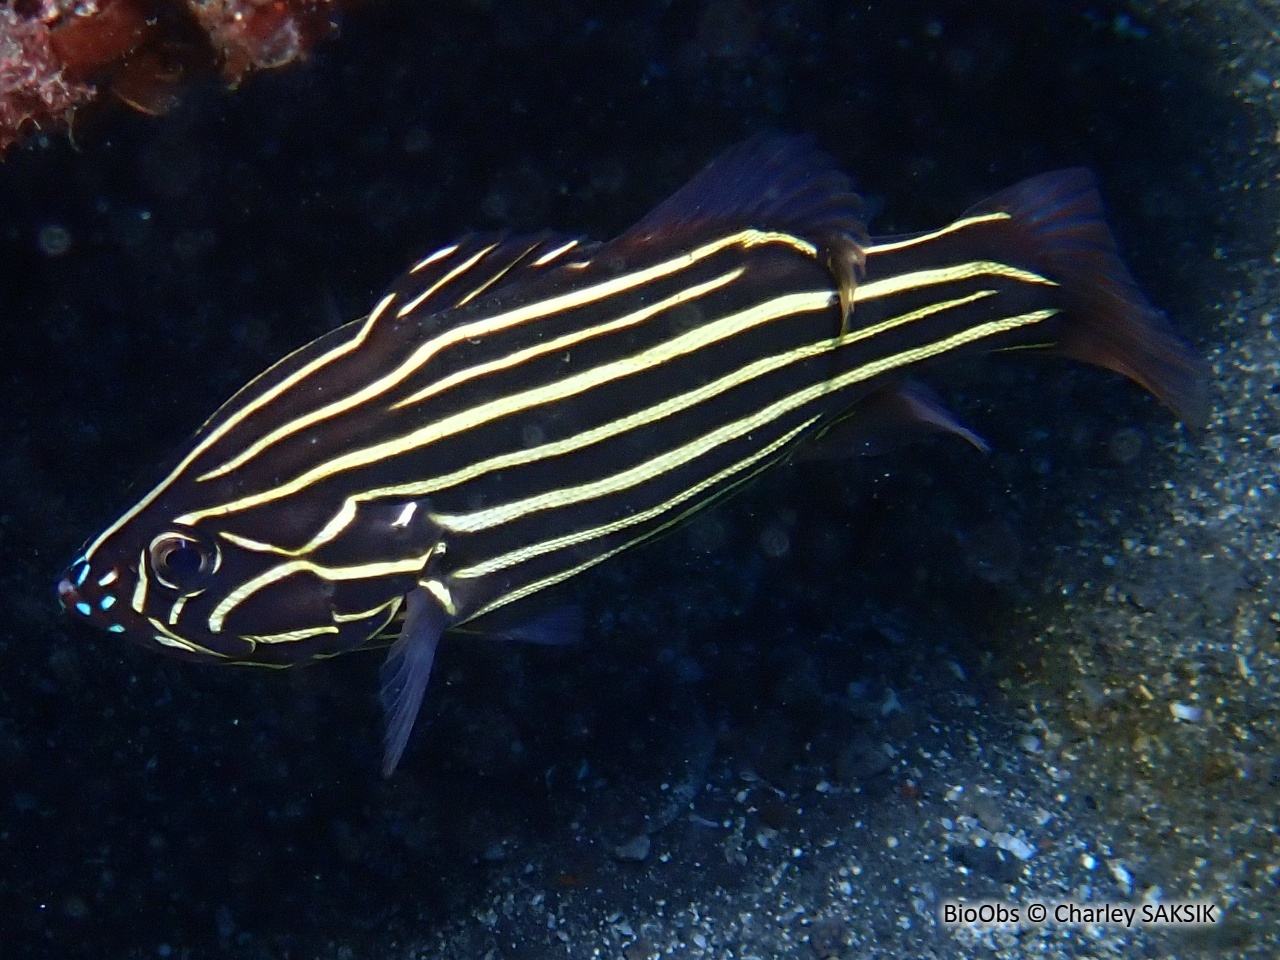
{"x":1056,"y":221}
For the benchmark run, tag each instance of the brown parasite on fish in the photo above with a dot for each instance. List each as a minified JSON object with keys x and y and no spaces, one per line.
{"x":515,"y":410}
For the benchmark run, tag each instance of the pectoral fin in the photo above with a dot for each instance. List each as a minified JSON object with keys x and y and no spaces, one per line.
{"x":405,"y":672}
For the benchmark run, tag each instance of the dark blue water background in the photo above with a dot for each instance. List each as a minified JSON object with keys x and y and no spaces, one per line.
{"x":147,"y":805}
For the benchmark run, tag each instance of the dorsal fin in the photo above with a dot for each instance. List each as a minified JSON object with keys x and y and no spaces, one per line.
{"x":478,"y":264}
{"x":453,"y":276}
{"x":770,"y":182}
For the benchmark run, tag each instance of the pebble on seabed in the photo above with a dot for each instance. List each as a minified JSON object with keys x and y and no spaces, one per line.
{"x":634,"y":850}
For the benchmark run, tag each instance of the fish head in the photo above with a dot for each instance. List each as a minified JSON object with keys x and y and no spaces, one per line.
{"x":141,"y":592}
{"x":195,"y":587}
{"x":257,"y":545}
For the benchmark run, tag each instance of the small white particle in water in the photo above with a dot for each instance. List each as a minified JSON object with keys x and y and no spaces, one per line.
{"x":415,"y":140}
{"x":775,"y":542}
{"x":891,"y":704}
{"x":54,"y":240}
{"x":1087,"y":861}
{"x":1181,"y":711}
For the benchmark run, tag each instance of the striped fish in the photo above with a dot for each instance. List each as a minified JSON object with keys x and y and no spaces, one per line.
{"x":515,"y":411}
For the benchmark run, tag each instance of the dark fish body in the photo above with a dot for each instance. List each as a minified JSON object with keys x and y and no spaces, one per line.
{"x":517,"y":410}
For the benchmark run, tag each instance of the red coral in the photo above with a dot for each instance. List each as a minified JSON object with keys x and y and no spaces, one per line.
{"x":56,"y":54}
{"x":87,"y":43}
{"x":260,"y":34}
{"x":34,"y":88}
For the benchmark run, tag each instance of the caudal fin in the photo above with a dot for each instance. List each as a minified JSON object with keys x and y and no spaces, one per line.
{"x":1057,"y":222}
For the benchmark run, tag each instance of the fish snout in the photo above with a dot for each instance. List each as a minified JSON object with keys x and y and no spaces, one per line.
{"x":67,"y":593}
{"x":70,"y":588}
{"x":94,"y":601}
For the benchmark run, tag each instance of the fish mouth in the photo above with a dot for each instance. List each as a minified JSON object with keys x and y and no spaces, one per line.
{"x":70,"y":596}
{"x":95,"y":608}
{"x":67,"y":593}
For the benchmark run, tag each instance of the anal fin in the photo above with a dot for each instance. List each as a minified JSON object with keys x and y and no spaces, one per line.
{"x":883,"y":419}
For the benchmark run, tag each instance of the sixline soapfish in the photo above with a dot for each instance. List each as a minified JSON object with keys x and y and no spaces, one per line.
{"x":516,"y":410}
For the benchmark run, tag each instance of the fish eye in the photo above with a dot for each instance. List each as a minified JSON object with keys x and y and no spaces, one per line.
{"x":182,"y":560}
